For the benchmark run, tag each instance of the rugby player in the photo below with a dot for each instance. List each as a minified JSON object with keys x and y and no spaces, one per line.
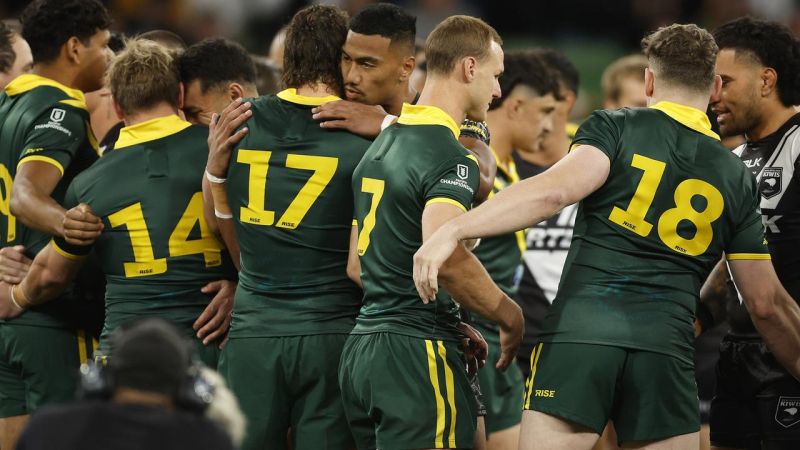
{"x":15,"y":55}
{"x":158,"y":255}
{"x":652,"y":222}
{"x":758,"y":63}
{"x":622,"y":83}
{"x":288,"y":187}
{"x":45,"y":140}
{"x":415,"y":176}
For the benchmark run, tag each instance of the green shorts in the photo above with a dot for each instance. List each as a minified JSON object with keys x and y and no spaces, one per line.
{"x":649,"y":396}
{"x":402,"y":392}
{"x":502,"y":391}
{"x":285,"y":383}
{"x":39,"y":365}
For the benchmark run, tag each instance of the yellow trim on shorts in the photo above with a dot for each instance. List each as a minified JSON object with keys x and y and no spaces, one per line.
{"x":449,"y":201}
{"x":65,"y":253}
{"x":741,"y":256}
{"x":451,"y":394}
{"x":82,"y":346}
{"x":535,"y":354}
{"x":41,"y":158}
{"x":432,"y":372}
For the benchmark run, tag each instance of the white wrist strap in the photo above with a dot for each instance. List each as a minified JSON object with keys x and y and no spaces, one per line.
{"x":222,"y":215}
{"x":387,"y":121}
{"x":215,"y":180}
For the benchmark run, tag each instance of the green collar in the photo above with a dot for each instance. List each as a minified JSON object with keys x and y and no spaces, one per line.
{"x":291,"y":95}
{"x":428,"y":115}
{"x":690,"y":117}
{"x":29,"y":81}
{"x":150,"y":130}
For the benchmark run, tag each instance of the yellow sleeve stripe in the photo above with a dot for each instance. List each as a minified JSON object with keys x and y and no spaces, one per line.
{"x":740,"y":256}
{"x":65,"y":253}
{"x":45,"y":159}
{"x":449,"y":201}
{"x":474,"y":158}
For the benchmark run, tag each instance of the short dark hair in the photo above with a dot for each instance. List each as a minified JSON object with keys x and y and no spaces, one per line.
{"x":313,"y":51}
{"x":48,"y":24}
{"x":214,"y":62}
{"x":387,"y":20}
{"x":682,"y":54}
{"x":772,"y":45}
{"x":7,"y":54}
{"x":526,"y":68}
{"x":567,"y":72}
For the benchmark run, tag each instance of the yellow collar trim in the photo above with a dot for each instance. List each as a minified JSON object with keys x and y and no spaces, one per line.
{"x":150,"y":130}
{"x":427,"y":115}
{"x":509,"y":168}
{"x":688,"y":116}
{"x":29,"y":81}
{"x":291,"y":95}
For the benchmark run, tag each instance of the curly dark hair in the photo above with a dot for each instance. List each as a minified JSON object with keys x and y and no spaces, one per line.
{"x":48,"y":24}
{"x":387,"y":20}
{"x":682,"y":54}
{"x":527,"y":68}
{"x":313,"y":53}
{"x":565,"y":70}
{"x":216,"y":62}
{"x":7,"y":54}
{"x":772,"y":45}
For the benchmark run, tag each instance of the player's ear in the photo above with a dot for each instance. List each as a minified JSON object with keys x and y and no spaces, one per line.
{"x":117,"y":108}
{"x":716,"y":89}
{"x":181,"y":95}
{"x":649,"y":82}
{"x":409,"y":64}
{"x":235,"y":90}
{"x":769,"y":81}
{"x":469,"y":66}
{"x":71,"y":50}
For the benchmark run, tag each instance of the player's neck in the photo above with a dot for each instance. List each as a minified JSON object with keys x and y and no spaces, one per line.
{"x":774,"y":118}
{"x":162,"y":109}
{"x":405,"y":94}
{"x":56,"y":72}
{"x":695,"y":101}
{"x":501,"y":136}
{"x":444,"y":94}
{"x":316,"y":90}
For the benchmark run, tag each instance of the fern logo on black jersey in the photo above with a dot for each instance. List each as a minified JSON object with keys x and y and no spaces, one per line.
{"x":770,"y":184}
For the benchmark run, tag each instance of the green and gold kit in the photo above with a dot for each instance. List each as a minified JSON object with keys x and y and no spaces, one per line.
{"x":45,"y":121}
{"x":289,"y":191}
{"x":644,"y":242}
{"x":156,"y":249}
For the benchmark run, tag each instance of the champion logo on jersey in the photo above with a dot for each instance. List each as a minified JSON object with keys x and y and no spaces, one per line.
{"x":57,"y":115}
{"x":770,"y":184}
{"x":462,"y":171}
{"x":787,"y":414}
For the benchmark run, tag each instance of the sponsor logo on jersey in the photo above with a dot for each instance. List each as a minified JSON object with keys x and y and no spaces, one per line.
{"x":544,"y":393}
{"x":462,"y":171}
{"x":787,"y":413}
{"x":770,"y":184}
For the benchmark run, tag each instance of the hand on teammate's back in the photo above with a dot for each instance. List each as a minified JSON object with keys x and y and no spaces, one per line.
{"x":81,"y":226}
{"x":213,"y":323}
{"x":223,"y":136}
{"x":14,"y":264}
{"x":357,"y":118}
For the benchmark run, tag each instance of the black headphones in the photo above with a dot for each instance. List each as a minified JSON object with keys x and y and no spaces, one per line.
{"x":194,"y":392}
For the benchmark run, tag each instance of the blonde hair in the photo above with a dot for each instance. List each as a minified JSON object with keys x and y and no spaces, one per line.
{"x":631,"y":66}
{"x":143,"y":75}
{"x":458,"y":37}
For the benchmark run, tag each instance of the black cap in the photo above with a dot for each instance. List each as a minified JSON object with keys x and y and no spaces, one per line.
{"x":149,"y":355}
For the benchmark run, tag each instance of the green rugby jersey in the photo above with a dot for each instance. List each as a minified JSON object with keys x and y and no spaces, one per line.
{"x":413,"y":163}
{"x":289,"y":191}
{"x":501,"y":255}
{"x":156,"y":249}
{"x":41,"y":120}
{"x":645,"y":241}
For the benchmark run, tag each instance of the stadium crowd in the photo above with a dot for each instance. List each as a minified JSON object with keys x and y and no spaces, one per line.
{"x":370,"y":241}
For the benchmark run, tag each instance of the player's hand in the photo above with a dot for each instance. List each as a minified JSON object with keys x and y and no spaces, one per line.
{"x":356,"y":118}
{"x":476,"y":349}
{"x":429,"y":259}
{"x":216,"y":318}
{"x":81,"y":226}
{"x":512,"y":329}
{"x":223,"y":136}
{"x":13,"y":264}
{"x":8,"y":310}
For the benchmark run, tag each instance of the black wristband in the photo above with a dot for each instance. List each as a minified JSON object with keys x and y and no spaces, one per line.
{"x":476,"y":130}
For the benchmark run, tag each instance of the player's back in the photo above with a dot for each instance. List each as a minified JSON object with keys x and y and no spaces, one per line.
{"x":411,"y":164}
{"x":156,"y":249}
{"x":289,"y":191}
{"x":41,"y":120}
{"x":644,"y":242}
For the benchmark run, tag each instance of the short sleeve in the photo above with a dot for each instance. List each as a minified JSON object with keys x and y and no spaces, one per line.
{"x":748,"y":241}
{"x":55,"y":137}
{"x":599,"y":131}
{"x":70,"y":251}
{"x":455,"y":181}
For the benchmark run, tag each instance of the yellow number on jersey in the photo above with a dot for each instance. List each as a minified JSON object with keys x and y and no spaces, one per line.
{"x":633,"y":218}
{"x":323,"y":168}
{"x":5,"y":203}
{"x":374,"y":187}
{"x":144,"y":261}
